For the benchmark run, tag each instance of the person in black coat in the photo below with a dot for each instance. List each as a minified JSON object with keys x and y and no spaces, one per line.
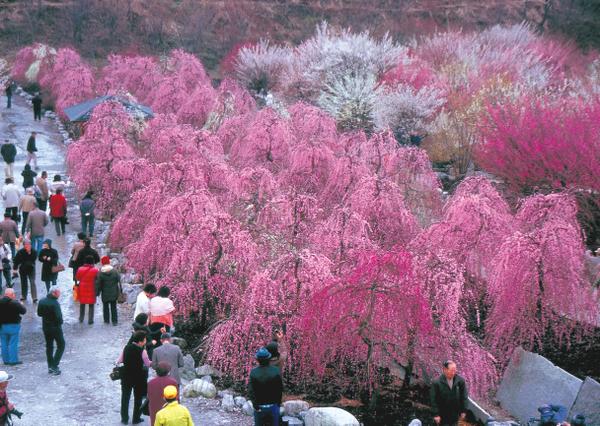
{"x":108,"y":284}
{"x":49,"y":258}
{"x":86,"y":251}
{"x":10,"y":327}
{"x":24,"y":262}
{"x":52,"y":320}
{"x":134,"y":376}
{"x":265,"y":389}
{"x":28,"y":176}
{"x":31,"y":150}
{"x":9,"y":91}
{"x":37,"y":107}
{"x":449,"y":396}
{"x":8,"y":152}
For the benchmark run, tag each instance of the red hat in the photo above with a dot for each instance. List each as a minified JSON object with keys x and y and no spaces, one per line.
{"x":105,"y":260}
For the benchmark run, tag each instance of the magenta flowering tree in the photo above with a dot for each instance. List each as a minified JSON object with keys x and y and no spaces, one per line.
{"x":23,"y":60}
{"x":136,"y":75}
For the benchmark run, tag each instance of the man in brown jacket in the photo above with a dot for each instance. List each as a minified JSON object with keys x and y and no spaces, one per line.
{"x":36,"y":222}
{"x":42,"y":197}
{"x":26,"y":205}
{"x":9,"y":231}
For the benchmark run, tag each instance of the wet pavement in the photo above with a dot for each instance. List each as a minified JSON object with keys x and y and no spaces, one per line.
{"x":83,"y":394}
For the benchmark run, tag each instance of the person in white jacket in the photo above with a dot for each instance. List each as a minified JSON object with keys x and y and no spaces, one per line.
{"x":11,"y":196}
{"x":142,"y":304}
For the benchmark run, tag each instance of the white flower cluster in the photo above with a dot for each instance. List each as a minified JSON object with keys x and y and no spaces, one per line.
{"x":262,"y":67}
{"x":40,"y":52}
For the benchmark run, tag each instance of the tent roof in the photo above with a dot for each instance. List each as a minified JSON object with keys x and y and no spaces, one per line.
{"x":82,"y":111}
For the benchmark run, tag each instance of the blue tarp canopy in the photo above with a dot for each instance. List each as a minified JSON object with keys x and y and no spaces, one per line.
{"x":82,"y":111}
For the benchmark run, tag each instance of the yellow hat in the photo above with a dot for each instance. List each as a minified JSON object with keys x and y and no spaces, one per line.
{"x":170,"y":392}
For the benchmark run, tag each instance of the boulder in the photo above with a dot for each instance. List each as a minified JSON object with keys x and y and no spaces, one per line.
{"x":329,"y":416}
{"x":222,"y":393}
{"x":292,"y":408}
{"x":188,"y":362}
{"x":587,"y":402}
{"x":179,"y":342}
{"x":248,"y":408}
{"x":206,"y":379}
{"x":228,"y":403}
{"x":292,"y":421}
{"x":239,"y":401}
{"x":207,"y":370}
{"x":200,"y":387}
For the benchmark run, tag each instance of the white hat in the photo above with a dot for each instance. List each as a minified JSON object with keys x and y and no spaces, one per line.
{"x":5,"y":377}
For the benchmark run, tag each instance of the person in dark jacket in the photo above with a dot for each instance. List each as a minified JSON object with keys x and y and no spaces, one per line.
{"x":86,"y":251}
{"x":24,"y":262}
{"x":37,"y":107}
{"x":449,"y":396}
{"x":52,"y":320}
{"x":10,"y":327}
{"x":8,"y":152}
{"x":86,"y":207}
{"x":28,"y":176}
{"x":153,"y":335}
{"x":49,"y":258}
{"x":134,"y":378}
{"x":8,"y":90}
{"x":31,"y":150}
{"x":108,"y":284}
{"x":265,"y":390}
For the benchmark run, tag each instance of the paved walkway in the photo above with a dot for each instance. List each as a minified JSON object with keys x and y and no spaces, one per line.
{"x":83,"y":394}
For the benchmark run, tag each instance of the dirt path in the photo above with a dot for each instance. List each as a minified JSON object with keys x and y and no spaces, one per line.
{"x":83,"y":394}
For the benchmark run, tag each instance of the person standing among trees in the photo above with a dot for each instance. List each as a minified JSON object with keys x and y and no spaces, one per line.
{"x":142,"y":303}
{"x":37,"y":107}
{"x":8,"y":90}
{"x":108,"y":284}
{"x":10,"y":327}
{"x":265,"y":390}
{"x":24,"y":262}
{"x":134,"y":377}
{"x":449,"y":396}
{"x":162,"y":308}
{"x":9,"y":230}
{"x":37,"y":220}
{"x":49,"y":258}
{"x":86,"y":276}
{"x":43,"y":193}
{"x":8,"y":152}
{"x":86,"y":207}
{"x":58,"y":211}
{"x":11,"y":196}
{"x":52,"y":320}
{"x":31,"y":150}
{"x":27,"y":204}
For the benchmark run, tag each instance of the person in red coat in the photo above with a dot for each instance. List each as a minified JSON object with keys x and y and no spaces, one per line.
{"x":86,"y":276}
{"x":58,"y":211}
{"x":156,"y":387}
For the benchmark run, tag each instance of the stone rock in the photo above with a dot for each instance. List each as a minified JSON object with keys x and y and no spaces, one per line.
{"x":588,"y":402}
{"x":248,"y":408}
{"x":239,"y":401}
{"x":530,"y":381}
{"x":292,"y":421}
{"x":188,"y":362}
{"x":292,"y":408}
{"x":181,"y":342}
{"x":479,"y":413}
{"x":207,"y":370}
{"x":329,"y":416}
{"x":207,"y":379}
{"x":200,"y":387}
{"x":222,"y":393}
{"x":228,"y":404}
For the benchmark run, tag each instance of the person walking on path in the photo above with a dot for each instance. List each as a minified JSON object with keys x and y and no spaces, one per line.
{"x":265,"y":390}
{"x":77,"y":246}
{"x":58,"y":211}
{"x":37,"y":107}
{"x":42,"y":191}
{"x":57,"y":183}
{"x":8,"y":152}
{"x":142,"y":303}
{"x":8,"y":90}
{"x":108,"y":285}
{"x":449,"y":396}
{"x":86,"y":207}
{"x":5,"y":259}
{"x":52,"y":320}
{"x":133,"y":378}
{"x":31,"y":150}
{"x":168,"y":352}
{"x":156,"y":389}
{"x":86,"y":276}
{"x":10,"y":327}
{"x":27,"y":204}
{"x":24,"y":262}
{"x":173,"y":414}
{"x":162,"y":308}
{"x":9,"y":230}
{"x":37,"y":220}
{"x":49,"y":258}
{"x":5,"y":406}
{"x":28,"y":176}
{"x":11,"y":196}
